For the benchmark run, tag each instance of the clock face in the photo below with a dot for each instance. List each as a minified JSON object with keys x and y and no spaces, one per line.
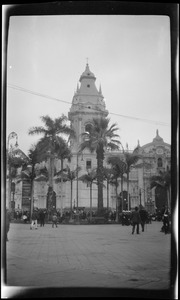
{"x":159,"y":151}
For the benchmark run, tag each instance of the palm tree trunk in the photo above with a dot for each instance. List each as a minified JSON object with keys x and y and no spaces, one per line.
{"x":90,"y":201}
{"x":61,"y":187}
{"x":51,"y":171}
{"x":32,"y":190}
{"x":107,"y":195}
{"x":100,"y":155}
{"x":32,"y":203}
{"x":116,"y":202}
{"x":71,"y":199}
{"x":128,"y":190}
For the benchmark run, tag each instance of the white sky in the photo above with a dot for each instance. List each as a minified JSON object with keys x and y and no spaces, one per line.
{"x":129,"y":55}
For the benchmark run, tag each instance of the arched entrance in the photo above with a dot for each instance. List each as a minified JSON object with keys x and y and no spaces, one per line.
{"x":160,"y":197}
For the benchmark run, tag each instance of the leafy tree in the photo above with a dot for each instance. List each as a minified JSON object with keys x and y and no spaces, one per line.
{"x":98,"y":138}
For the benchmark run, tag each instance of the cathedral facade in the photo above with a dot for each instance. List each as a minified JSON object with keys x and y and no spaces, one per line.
{"x":87,"y":103}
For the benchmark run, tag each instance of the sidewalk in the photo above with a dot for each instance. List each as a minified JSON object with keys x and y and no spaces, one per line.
{"x":98,"y":256}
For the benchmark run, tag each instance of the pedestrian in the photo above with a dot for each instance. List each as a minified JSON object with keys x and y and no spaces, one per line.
{"x":166,"y":220}
{"x":25,"y":218}
{"x":41,"y":217}
{"x":54,"y":220}
{"x":136,"y":220}
{"x":34,"y":220}
{"x":8,"y":220}
{"x":144,"y":217}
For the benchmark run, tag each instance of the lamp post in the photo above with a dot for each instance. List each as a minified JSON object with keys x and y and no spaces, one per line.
{"x":140,"y":197}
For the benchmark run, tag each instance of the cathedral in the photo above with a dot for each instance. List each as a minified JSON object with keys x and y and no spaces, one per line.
{"x":87,"y":103}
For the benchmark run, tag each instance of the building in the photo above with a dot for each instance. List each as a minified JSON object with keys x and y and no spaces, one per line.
{"x":87,"y":103}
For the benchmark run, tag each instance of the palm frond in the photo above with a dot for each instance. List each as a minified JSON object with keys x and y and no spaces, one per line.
{"x":37,"y":130}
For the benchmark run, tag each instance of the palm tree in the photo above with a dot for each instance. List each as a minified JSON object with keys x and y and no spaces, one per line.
{"x":90,"y":178}
{"x":51,"y":141}
{"x":99,"y":138}
{"x":108,"y":173}
{"x":63,"y":152}
{"x":130,"y":160}
{"x":67,"y":175}
{"x":119,"y":168}
{"x":163,"y":180}
{"x":29,"y":172}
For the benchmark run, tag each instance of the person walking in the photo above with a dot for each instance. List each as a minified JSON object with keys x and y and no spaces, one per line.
{"x":41,"y":217}
{"x":136,"y":220}
{"x":34,"y":220}
{"x":54,"y":220}
{"x":144,"y":216}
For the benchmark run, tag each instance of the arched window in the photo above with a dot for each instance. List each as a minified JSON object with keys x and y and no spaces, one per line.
{"x":88,"y":164}
{"x":159,"y":163}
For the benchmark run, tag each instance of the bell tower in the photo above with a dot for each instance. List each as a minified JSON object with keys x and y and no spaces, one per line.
{"x":87,"y":103}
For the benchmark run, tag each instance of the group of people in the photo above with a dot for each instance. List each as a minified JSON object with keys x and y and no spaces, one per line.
{"x":141,"y":216}
{"x":138,"y":217}
{"x":40,"y":215}
{"x":37,"y":215}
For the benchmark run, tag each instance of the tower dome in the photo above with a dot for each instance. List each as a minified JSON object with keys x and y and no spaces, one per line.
{"x":158,"y":139}
{"x":87,"y":103}
{"x":87,"y":97}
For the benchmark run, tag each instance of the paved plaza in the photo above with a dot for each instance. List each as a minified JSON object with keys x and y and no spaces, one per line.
{"x":88,"y":256}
